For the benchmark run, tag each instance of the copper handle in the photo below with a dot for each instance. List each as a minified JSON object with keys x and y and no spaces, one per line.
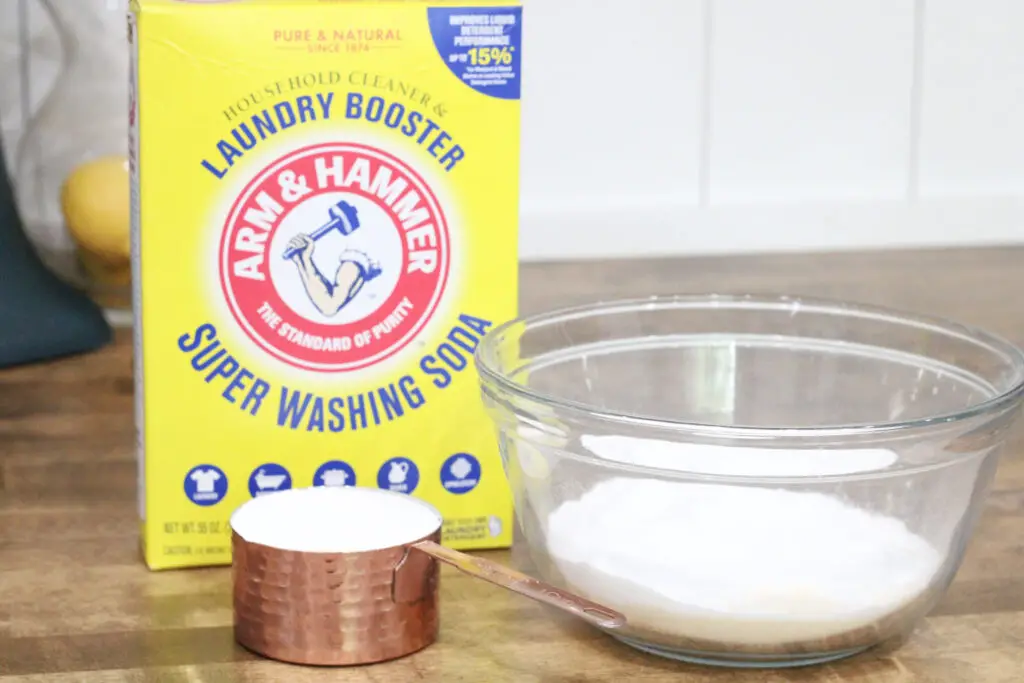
{"x":500,"y":575}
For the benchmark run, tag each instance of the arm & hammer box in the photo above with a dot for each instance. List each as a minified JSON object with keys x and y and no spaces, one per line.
{"x":325,"y":215}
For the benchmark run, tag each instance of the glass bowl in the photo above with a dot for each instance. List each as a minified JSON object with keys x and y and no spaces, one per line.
{"x":752,"y":481}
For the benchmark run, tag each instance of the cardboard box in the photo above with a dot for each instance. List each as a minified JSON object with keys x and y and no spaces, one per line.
{"x":325,"y":211}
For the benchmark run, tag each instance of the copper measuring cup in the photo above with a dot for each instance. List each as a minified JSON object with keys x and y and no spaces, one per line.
{"x":350,"y":608}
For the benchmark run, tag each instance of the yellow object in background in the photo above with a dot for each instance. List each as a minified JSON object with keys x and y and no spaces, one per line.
{"x":96,"y":207}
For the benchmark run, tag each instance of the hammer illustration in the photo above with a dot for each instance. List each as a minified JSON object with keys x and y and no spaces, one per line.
{"x":343,"y":217}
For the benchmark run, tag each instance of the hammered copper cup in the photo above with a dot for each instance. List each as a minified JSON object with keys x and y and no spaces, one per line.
{"x":343,"y":609}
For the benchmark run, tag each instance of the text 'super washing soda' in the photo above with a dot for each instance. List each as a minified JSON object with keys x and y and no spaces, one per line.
{"x":325,"y":205}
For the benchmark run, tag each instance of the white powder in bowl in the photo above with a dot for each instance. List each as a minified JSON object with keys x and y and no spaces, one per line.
{"x":334,"y":520}
{"x":736,"y":564}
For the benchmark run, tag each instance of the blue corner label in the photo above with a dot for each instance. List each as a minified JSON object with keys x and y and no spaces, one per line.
{"x":482,"y":46}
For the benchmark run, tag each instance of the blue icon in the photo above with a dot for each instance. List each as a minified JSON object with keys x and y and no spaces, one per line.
{"x":206,"y":485}
{"x":399,"y":474}
{"x":269,"y":478}
{"x":335,"y":473}
{"x":460,"y":473}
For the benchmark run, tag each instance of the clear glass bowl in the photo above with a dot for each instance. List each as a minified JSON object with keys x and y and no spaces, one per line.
{"x":752,"y":481}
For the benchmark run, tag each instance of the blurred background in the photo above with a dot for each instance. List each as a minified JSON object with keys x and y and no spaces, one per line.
{"x":692,"y":126}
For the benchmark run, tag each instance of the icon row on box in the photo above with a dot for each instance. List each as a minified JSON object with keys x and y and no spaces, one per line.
{"x":207,"y":485}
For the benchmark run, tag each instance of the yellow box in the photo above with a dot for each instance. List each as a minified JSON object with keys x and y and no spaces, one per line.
{"x":325,"y":212}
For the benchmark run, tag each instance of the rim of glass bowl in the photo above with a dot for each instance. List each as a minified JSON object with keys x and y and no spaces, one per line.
{"x":1013,"y":355}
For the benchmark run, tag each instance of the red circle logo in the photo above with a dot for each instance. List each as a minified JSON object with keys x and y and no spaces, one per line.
{"x":334,"y":257}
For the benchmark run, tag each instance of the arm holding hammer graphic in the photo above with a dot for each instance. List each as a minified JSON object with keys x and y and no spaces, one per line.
{"x":330,"y":297}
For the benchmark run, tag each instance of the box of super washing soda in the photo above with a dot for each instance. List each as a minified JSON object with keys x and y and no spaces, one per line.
{"x":325,"y":207}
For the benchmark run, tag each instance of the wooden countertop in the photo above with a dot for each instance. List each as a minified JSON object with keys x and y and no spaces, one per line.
{"x":76,"y":603}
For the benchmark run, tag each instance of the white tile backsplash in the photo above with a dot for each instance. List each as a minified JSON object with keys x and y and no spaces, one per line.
{"x":972,"y":123}
{"x":611,"y":111}
{"x":658,"y":126}
{"x":810,"y":100}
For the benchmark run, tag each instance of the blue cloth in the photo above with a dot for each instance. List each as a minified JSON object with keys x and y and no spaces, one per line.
{"x":41,"y":316}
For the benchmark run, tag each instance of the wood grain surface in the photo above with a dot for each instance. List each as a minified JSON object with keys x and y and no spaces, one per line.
{"x":76,"y":603}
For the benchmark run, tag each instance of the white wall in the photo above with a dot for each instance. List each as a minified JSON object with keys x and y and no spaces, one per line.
{"x":697,"y":126}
